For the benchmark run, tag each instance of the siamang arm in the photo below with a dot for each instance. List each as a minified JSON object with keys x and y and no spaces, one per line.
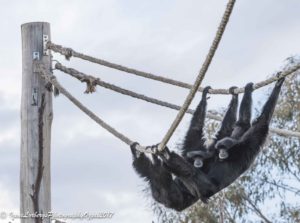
{"x":243,"y":123}
{"x":194,"y":137}
{"x":229,"y":118}
{"x":257,"y":133}
{"x":241,"y":126}
{"x":269,"y":107}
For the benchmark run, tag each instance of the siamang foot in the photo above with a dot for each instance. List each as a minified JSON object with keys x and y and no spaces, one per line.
{"x":153,"y":149}
{"x":249,"y":87}
{"x":141,"y":162}
{"x":231,"y":90}
{"x":164,"y":154}
{"x":135,"y":153}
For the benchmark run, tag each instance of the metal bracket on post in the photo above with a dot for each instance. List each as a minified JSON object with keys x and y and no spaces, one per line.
{"x":36,"y":56}
{"x":45,"y":41}
{"x":34,"y":97}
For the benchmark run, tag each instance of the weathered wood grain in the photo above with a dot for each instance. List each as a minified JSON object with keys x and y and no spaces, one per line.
{"x":35,"y":181}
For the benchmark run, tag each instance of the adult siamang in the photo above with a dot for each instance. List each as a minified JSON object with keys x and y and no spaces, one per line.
{"x":203,"y":170}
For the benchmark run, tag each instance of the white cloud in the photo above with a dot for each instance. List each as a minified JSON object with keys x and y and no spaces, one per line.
{"x":6,"y":201}
{"x":7,"y":205}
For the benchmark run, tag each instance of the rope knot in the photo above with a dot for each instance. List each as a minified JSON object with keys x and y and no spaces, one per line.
{"x":91,"y":83}
{"x":68,"y":53}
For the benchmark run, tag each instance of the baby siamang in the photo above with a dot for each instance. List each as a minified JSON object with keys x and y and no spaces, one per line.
{"x":203,"y":170}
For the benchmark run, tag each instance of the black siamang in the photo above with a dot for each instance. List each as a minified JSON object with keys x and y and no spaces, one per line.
{"x":203,"y":170}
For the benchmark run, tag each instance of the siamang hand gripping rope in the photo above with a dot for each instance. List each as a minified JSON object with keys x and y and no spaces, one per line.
{"x":203,"y":170}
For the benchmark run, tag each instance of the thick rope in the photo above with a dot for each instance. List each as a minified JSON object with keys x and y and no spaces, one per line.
{"x":88,"y":78}
{"x":68,"y":51}
{"x":49,"y":77}
{"x":200,"y":76}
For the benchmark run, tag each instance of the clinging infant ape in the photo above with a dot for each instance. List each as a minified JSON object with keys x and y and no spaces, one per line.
{"x":202,"y":170}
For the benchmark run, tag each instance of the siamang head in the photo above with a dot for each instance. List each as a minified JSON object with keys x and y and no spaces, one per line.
{"x":223,"y":145}
{"x":196,"y":157}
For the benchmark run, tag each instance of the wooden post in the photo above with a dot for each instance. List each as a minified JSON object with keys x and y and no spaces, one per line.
{"x":36,"y":119}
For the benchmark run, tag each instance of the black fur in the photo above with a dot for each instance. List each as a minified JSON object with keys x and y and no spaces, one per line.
{"x":239,"y":138}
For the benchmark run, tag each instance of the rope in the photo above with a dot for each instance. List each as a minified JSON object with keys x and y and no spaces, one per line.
{"x":68,"y":51}
{"x":49,"y":77}
{"x":85,"y":78}
{"x":201,"y":74}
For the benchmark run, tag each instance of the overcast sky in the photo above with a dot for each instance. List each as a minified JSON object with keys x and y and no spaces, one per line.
{"x":91,"y":170}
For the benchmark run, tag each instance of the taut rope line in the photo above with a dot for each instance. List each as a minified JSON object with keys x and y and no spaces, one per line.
{"x":68,"y":51}
{"x":85,"y":78}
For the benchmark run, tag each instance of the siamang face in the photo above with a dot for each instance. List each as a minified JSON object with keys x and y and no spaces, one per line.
{"x":196,"y":158}
{"x":198,"y":162}
{"x":223,"y":145}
